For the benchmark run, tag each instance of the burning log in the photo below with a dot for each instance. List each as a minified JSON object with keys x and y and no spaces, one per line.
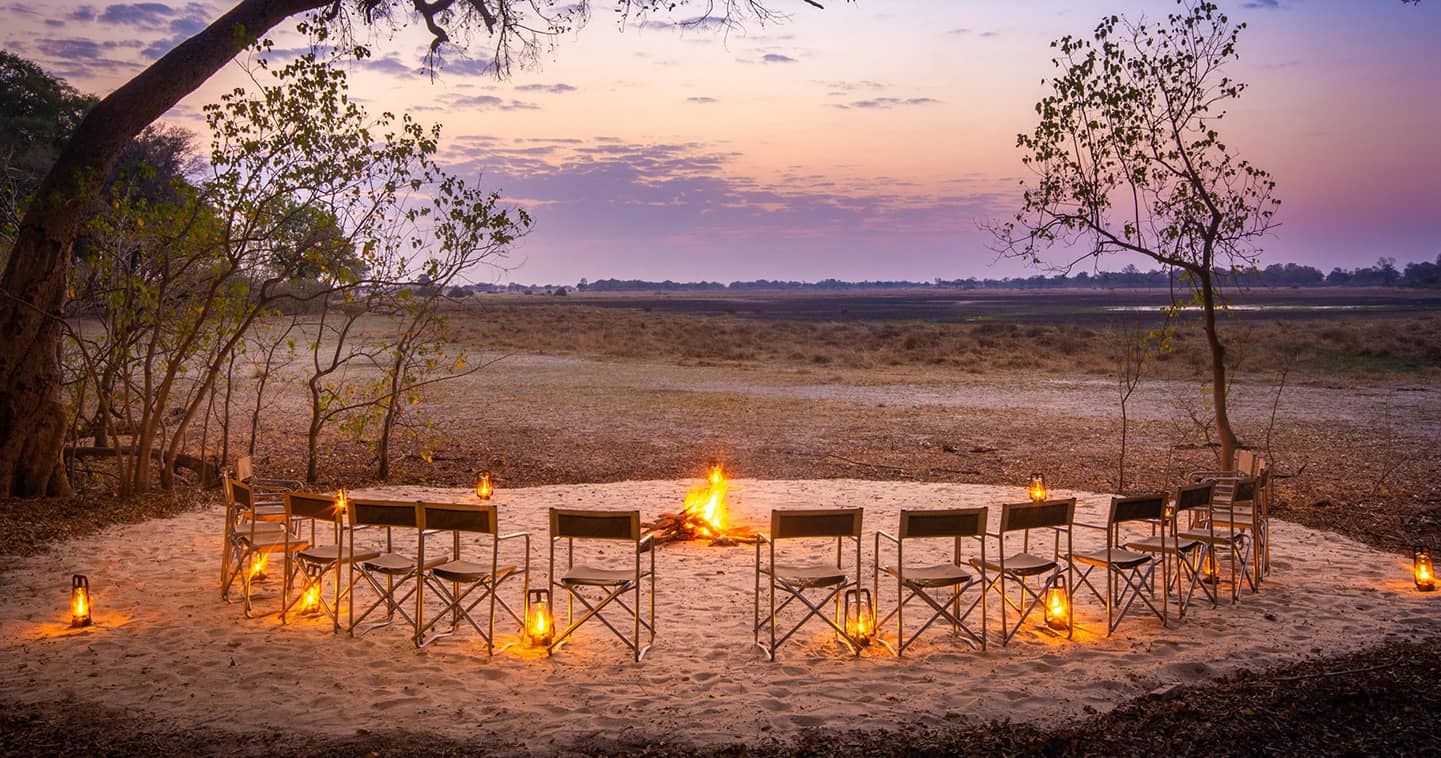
{"x":703,"y":517}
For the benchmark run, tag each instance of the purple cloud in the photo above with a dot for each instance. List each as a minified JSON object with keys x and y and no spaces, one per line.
{"x":884,"y":103}
{"x":145,"y":15}
{"x":777,"y":58}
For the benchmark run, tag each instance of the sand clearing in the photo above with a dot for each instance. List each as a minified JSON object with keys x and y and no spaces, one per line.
{"x":165,"y":646}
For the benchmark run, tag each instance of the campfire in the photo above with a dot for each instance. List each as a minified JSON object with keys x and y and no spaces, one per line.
{"x":703,"y":516}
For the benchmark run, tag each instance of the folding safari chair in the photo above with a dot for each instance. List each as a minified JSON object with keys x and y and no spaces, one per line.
{"x":1130,"y":575}
{"x":391,"y":576}
{"x":1185,"y":556}
{"x":1018,"y":568}
{"x":464,"y":584}
{"x":245,"y":520}
{"x":311,"y":564}
{"x":1226,"y":536}
{"x":794,"y":579}
{"x":919,"y":581}
{"x":612,"y":581}
{"x":256,"y":539}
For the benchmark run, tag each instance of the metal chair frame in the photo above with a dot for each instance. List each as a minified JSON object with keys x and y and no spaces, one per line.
{"x":1186,"y":555}
{"x":1055,"y":515}
{"x":616,"y":526}
{"x":389,"y":574}
{"x":457,"y":518}
{"x":1226,"y":536}
{"x":841,"y":524}
{"x":312,"y":563}
{"x":245,"y":521}
{"x":1127,"y":583}
{"x":956,"y":524}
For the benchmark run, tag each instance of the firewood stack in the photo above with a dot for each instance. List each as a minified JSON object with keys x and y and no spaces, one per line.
{"x":683,"y":526}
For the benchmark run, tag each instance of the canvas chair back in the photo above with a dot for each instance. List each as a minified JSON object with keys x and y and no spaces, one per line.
{"x":954,"y":522}
{"x":1138,"y":508}
{"x":456,"y":517}
{"x":311,"y":506}
{"x":240,"y":494}
{"x":794,"y":524}
{"x":1195,"y":497}
{"x":244,"y":468}
{"x":1028,"y":516}
{"x":595,"y":525}
{"x":389,"y":513}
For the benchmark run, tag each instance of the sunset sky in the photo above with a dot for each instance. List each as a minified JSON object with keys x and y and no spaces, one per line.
{"x":864,"y":141}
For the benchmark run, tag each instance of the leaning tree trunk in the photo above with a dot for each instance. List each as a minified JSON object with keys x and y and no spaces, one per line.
{"x":1229,"y":444}
{"x":33,"y":289}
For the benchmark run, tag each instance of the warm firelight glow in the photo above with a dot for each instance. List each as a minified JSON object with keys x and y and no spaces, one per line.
{"x":539,"y":626}
{"x":1424,"y":570}
{"x":484,"y":488}
{"x":1057,"y":605}
{"x":708,"y":503}
{"x":340,"y":502}
{"x":79,"y":601}
{"x":310,"y":603}
{"x":257,"y":565}
{"x":860,"y":617}
{"x":1037,"y":488}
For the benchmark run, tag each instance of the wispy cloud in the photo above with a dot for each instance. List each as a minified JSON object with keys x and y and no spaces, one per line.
{"x":701,"y":100}
{"x":491,"y":102}
{"x":554,"y":89}
{"x":777,"y":58}
{"x":883,"y":103}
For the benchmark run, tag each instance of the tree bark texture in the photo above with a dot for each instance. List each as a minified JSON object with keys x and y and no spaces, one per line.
{"x":33,"y":289}
{"x":1218,"y":374}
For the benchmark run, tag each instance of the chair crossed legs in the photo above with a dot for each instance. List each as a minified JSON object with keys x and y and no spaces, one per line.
{"x":611,"y":582}
{"x":248,"y":523}
{"x":391,"y":576}
{"x":797,"y":578}
{"x":1018,"y":568}
{"x":462,"y":584}
{"x":1129,"y":574}
{"x":1227,"y":537}
{"x":918,"y":582}
{"x":311,"y":564}
{"x":1184,"y":556}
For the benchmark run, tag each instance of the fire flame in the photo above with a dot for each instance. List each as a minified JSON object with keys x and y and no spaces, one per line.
{"x":257,"y":565}
{"x":708,"y":504}
{"x":539,"y":628}
{"x":484,"y":487}
{"x":1056,"y":602}
{"x":311,"y":602}
{"x":79,"y":607}
{"x":340,"y":501}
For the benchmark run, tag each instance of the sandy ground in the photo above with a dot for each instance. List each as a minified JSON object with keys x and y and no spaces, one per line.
{"x":168,"y":648}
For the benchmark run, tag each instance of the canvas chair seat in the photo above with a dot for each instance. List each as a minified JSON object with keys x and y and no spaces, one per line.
{"x":396,"y":564}
{"x":1021,"y":564}
{"x":1210,"y":539}
{"x":1123,"y":559}
{"x":808,"y":575}
{"x":273,"y":543}
{"x":468,"y":571}
{"x":593,"y":576}
{"x":330,"y":553}
{"x":269,"y":513}
{"x":1153,"y":545}
{"x":930,"y":577}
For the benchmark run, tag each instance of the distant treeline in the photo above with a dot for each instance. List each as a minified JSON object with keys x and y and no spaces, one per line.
{"x":1383,"y":274}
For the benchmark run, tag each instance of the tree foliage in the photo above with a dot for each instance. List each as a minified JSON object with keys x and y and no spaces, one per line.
{"x":1128,"y":158}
